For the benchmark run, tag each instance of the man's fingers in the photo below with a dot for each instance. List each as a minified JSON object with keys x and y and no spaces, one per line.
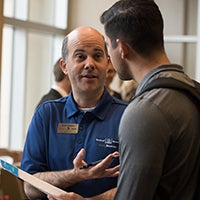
{"x":112,"y":172}
{"x":105,"y":163}
{"x":78,"y":161}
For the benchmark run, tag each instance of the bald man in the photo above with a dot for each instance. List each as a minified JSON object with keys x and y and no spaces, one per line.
{"x":66,"y":135}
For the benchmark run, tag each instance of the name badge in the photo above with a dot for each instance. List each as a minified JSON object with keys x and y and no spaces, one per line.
{"x":68,"y":128}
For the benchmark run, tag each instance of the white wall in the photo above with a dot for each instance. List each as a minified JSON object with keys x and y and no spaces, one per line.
{"x":87,"y":12}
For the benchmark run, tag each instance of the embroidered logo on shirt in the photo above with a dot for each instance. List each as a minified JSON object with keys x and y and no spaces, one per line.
{"x":68,"y":128}
{"x":107,"y":142}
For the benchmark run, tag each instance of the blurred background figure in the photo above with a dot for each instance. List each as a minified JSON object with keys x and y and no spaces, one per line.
{"x":110,"y":74}
{"x":61,"y":86}
{"x":128,"y":89}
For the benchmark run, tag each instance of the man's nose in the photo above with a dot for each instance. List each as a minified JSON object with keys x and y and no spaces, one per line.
{"x":90,"y":64}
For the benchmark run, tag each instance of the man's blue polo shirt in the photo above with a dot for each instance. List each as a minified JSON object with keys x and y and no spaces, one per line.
{"x":59,"y":130}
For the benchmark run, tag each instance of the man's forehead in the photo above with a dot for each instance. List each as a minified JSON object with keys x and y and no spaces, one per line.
{"x":86,"y":36}
{"x":86,"y":49}
{"x":91,"y":43}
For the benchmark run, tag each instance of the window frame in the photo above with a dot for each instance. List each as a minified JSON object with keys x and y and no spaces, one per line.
{"x":14,"y":139}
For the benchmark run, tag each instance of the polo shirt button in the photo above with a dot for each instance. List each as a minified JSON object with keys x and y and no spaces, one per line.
{"x":79,"y":141}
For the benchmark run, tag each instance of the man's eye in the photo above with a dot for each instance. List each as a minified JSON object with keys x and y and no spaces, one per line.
{"x":98,"y":56}
{"x":80,"y":57}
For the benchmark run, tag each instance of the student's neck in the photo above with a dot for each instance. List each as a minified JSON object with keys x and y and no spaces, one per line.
{"x":143,"y":67}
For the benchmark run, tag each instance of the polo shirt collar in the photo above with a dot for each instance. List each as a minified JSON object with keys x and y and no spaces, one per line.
{"x":100,"y":111}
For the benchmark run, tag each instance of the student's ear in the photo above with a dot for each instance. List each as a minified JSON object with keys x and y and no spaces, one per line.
{"x":123,"y":48}
{"x":63,"y":66}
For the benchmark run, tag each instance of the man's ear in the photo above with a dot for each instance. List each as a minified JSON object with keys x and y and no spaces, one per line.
{"x":63,"y":66}
{"x":123,"y":48}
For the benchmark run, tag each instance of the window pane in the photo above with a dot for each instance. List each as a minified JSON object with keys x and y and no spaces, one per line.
{"x":21,"y":9}
{"x":175,"y":52}
{"x":190,"y":59}
{"x":38,"y":71}
{"x":8,"y":8}
{"x":169,"y":16}
{"x":6,"y":77}
{"x":55,"y":12}
{"x":61,"y":12}
{"x":37,"y":14}
{"x":191,"y":20}
{"x":57,"y":42}
{"x":16,"y":8}
{"x":18,"y":88}
{"x":183,"y":54}
{"x":180,"y":17}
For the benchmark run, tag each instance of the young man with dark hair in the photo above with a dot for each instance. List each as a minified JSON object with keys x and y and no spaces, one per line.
{"x":159,"y":131}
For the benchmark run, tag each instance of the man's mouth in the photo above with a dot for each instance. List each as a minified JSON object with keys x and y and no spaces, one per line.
{"x":88,"y":76}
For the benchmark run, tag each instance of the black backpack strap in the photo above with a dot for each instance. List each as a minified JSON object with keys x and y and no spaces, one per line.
{"x":192,"y":92}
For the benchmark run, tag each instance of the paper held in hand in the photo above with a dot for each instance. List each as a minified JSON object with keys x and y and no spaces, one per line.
{"x":34,"y":181}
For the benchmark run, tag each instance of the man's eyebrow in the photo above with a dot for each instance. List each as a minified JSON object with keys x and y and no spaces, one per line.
{"x":79,"y":50}
{"x":83,"y":51}
{"x":99,"y":49}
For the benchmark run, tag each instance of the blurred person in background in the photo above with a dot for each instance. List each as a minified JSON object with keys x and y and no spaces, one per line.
{"x":61,"y":86}
{"x":110,"y":74}
{"x":128,"y":89}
